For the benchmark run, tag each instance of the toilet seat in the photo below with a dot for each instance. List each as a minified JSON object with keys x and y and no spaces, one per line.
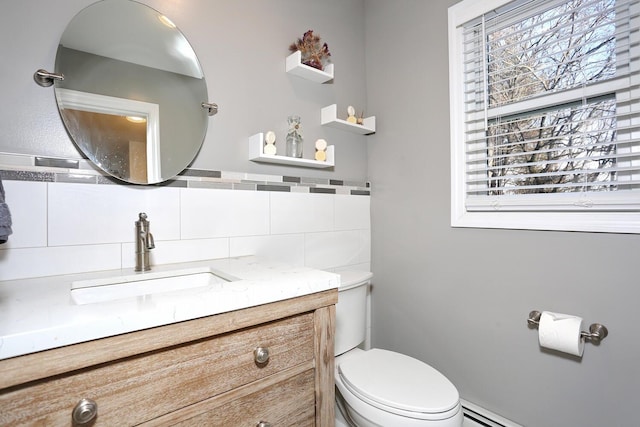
{"x":396,"y":383}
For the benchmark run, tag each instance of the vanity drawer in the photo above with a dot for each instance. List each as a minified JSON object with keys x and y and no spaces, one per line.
{"x":288,"y":402}
{"x":136,"y":389}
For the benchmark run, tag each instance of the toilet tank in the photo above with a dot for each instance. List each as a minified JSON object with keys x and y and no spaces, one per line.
{"x":351,"y":310}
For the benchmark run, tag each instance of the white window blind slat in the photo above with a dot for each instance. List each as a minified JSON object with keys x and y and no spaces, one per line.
{"x":494,"y":157}
{"x":600,"y":202}
{"x":576,"y":187}
{"x":571,"y":172}
{"x":481,"y":183}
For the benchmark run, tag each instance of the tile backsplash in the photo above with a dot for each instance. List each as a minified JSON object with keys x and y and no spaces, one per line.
{"x":64,"y":226}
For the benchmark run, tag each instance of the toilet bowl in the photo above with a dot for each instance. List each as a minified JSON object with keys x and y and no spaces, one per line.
{"x":379,"y":387}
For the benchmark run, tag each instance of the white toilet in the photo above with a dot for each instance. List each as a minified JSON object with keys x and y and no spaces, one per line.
{"x":379,"y":387}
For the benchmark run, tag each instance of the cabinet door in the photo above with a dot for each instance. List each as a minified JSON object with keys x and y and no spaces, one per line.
{"x":133,"y":390}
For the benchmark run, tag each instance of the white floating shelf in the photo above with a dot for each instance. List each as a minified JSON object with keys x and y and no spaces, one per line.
{"x":329,"y":117}
{"x":295,"y":66}
{"x":256,"y":154}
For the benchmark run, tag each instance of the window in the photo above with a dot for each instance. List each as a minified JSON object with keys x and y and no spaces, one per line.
{"x":545,"y":114}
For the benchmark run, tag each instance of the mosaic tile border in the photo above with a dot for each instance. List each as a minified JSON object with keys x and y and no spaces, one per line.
{"x":44,"y":169}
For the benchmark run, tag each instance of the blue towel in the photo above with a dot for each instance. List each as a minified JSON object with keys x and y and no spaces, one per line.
{"x":5,"y":217}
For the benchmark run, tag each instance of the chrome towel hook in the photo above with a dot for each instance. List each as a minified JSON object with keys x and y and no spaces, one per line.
{"x":597,"y":332}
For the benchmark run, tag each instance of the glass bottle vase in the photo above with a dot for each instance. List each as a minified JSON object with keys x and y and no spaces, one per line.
{"x":294,"y":145}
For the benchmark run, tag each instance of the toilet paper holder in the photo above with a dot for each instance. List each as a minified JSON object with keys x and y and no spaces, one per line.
{"x":597,"y":332}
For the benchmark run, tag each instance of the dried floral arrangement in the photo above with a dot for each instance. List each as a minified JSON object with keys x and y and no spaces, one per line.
{"x":314,"y":54}
{"x":295,"y":127}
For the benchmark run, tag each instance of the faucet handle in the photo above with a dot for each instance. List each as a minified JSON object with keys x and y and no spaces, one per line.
{"x":142,"y":216}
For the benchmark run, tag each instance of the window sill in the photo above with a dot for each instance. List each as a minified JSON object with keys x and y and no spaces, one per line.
{"x":595,"y":222}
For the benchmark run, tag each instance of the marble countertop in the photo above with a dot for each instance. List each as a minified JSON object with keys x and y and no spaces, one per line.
{"x":40,"y":314}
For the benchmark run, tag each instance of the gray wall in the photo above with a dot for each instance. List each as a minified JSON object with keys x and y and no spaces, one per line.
{"x":241,"y":45}
{"x":459,"y":298}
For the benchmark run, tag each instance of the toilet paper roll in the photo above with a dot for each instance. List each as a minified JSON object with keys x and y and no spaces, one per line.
{"x":561,"y":332}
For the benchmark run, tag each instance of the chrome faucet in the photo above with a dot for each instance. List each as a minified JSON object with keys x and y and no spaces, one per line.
{"x":144,"y":243}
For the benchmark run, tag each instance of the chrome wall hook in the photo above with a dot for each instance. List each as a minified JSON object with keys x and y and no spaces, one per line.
{"x":45,"y":78}
{"x":212,"y":107}
{"x":597,"y":332}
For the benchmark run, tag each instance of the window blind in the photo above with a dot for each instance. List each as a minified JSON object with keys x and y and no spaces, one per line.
{"x":552,"y":106}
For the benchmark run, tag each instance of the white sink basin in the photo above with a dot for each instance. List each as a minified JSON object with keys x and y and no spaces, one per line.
{"x":119,"y":287}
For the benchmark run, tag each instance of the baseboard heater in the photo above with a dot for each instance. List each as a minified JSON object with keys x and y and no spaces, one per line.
{"x":476,"y":416}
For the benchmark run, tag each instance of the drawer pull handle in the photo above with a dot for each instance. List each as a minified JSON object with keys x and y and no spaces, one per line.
{"x":261,"y":355}
{"x":263,"y":424}
{"x":85,"y":412}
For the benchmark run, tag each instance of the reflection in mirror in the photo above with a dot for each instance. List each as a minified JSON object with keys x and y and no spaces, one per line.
{"x":121,"y":134}
{"x":122,"y":59}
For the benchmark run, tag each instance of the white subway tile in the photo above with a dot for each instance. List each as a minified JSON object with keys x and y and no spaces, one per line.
{"x":262,"y":177}
{"x":170,"y":252}
{"x":299,"y":189}
{"x":39,"y":262}
{"x":301,"y":213}
{"x":209,"y":213}
{"x":27,"y":201}
{"x":365,"y":266}
{"x":9,"y":159}
{"x":93,"y":214}
{"x":287,"y":248}
{"x":352,"y":213}
{"x":337,"y":249}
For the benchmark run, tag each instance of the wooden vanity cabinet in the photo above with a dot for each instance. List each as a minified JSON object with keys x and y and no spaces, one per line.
{"x":201,"y":372}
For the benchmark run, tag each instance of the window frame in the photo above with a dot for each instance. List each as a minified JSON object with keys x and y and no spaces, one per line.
{"x":612,"y":213}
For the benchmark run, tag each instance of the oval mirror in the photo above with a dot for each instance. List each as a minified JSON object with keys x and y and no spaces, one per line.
{"x":132,"y":93}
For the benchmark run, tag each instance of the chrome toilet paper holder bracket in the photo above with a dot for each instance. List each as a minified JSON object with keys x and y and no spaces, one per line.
{"x":597,"y":332}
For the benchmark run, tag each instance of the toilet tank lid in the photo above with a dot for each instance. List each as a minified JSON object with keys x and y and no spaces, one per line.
{"x":352,"y":278}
